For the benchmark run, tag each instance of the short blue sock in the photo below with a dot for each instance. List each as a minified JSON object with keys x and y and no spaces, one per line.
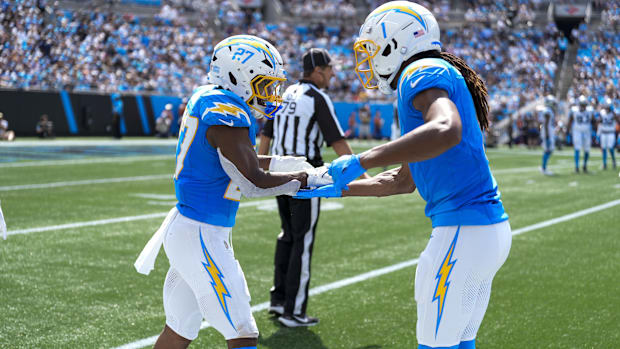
{"x":468,"y":344}
{"x":604,"y":157}
{"x":545,"y":159}
{"x":576,"y":158}
{"x":613,"y":155}
{"x":586,"y":156}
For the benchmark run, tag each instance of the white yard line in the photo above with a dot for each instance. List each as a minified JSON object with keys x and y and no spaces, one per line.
{"x":84,"y":182}
{"x":119,"y":159}
{"x":529,"y":169}
{"x":538,"y":152}
{"x":88,"y":223}
{"x":389,"y":269}
{"x":115,"y":220}
{"x":164,"y":176}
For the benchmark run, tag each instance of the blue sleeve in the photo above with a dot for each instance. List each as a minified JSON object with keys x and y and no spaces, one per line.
{"x":424,"y":77}
{"x":223,"y":110}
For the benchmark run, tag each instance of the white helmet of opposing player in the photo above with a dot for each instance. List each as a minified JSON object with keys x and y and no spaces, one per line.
{"x":252,"y":68}
{"x":391,"y":34}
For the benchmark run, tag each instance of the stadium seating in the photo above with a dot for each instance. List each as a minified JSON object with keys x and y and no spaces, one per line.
{"x":93,"y":49}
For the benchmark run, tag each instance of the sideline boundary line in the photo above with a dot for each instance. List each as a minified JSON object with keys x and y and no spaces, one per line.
{"x":389,"y":269}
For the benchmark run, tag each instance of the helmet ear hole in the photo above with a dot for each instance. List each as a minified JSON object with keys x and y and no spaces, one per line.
{"x":386,"y":51}
{"x":232,"y":78}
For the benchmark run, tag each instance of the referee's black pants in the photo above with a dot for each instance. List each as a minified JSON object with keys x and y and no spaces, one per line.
{"x":294,"y":253}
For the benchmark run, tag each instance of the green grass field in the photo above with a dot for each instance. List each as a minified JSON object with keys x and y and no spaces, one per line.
{"x":75,"y":287}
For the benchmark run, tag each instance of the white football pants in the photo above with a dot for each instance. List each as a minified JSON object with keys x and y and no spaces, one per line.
{"x":453,"y":281}
{"x":205,"y":281}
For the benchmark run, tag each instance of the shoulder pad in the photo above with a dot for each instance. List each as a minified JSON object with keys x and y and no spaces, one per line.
{"x":219,"y":108}
{"x":424,"y":74}
{"x":574,"y":109}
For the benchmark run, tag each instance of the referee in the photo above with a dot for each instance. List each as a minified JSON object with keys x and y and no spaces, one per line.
{"x":306,"y":120}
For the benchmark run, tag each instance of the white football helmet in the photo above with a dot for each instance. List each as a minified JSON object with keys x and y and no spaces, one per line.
{"x":390,"y":35}
{"x":252,"y":68}
{"x":550,"y":101}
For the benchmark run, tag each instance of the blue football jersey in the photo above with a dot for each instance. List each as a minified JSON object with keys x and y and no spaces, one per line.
{"x":458,"y":186}
{"x":204,"y":191}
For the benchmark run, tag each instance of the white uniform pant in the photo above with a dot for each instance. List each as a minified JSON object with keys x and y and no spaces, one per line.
{"x":582,"y":139}
{"x":608,"y":140}
{"x":453,"y":281}
{"x":548,"y":143}
{"x":205,"y":281}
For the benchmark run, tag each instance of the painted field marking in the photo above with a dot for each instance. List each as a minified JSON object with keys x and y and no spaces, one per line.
{"x":389,"y":269}
{"x":124,"y":159}
{"x":85,"y":182}
{"x":115,"y":220}
{"x":164,"y":176}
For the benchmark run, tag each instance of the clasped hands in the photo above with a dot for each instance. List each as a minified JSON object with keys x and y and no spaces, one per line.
{"x":342,"y":171}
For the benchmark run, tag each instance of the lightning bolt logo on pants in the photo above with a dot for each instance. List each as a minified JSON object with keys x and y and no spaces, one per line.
{"x":216,"y":280}
{"x":441,"y":290}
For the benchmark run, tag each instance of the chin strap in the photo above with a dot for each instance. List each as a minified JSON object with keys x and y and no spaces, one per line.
{"x":248,"y":189}
{"x":271,"y":110}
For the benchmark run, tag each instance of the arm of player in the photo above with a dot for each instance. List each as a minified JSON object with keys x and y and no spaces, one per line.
{"x":391,"y":182}
{"x":234,"y":145}
{"x":441,"y":131}
{"x":342,"y":147}
{"x":277,"y":163}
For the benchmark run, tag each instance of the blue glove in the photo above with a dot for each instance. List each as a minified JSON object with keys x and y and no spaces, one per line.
{"x":327,"y":191}
{"x":345,"y":169}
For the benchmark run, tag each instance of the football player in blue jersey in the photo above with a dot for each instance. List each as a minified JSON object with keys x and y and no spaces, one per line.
{"x":442,"y":109}
{"x":215,"y":165}
{"x":546,"y":118}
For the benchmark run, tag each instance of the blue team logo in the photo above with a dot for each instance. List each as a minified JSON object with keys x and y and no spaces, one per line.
{"x":217,"y":281}
{"x":443,"y":283}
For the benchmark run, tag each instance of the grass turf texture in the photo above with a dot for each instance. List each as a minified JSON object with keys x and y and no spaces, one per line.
{"x":77,"y":287}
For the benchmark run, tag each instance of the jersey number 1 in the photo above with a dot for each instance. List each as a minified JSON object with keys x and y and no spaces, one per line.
{"x":189,"y":126}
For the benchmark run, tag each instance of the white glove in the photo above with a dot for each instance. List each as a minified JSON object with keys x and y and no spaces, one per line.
{"x":318,"y":177}
{"x":288,"y":164}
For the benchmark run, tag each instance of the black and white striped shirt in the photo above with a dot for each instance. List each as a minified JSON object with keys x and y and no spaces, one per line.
{"x":306,"y":120}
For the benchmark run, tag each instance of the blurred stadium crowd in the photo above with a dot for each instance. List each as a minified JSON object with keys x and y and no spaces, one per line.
{"x":50,"y":48}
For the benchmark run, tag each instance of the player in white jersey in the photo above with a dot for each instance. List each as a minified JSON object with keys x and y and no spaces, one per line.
{"x":607,"y":131}
{"x":546,"y":118}
{"x":580,"y":123}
